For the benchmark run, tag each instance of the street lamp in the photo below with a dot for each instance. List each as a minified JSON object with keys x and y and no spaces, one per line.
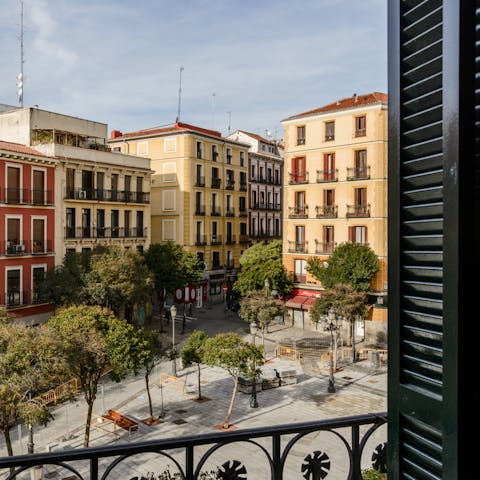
{"x":253,"y":400}
{"x":173,"y":311}
{"x":331,"y":326}
{"x":267,"y":286}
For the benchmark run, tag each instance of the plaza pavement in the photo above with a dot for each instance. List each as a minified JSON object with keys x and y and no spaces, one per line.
{"x":360,"y":389}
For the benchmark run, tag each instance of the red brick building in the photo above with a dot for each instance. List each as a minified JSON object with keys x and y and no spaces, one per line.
{"x":27,"y":229}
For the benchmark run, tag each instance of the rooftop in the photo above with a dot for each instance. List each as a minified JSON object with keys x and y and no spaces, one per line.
{"x":19,"y":148}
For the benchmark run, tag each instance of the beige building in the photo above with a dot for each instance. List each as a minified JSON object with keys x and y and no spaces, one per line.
{"x":335,"y":190}
{"x":101,"y":197}
{"x":198,"y":192}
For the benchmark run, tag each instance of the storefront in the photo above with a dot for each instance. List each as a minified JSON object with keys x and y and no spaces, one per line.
{"x":298,"y":304}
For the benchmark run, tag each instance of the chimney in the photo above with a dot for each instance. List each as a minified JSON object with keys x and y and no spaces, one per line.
{"x":115,"y":134}
{"x":355,"y":97}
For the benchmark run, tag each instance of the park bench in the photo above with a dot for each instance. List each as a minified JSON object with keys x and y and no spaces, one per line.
{"x":121,"y":421}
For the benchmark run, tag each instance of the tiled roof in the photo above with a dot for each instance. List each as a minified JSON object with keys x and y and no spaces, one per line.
{"x":20,"y":148}
{"x":176,"y":127}
{"x":257,"y":137}
{"x":349,"y":102}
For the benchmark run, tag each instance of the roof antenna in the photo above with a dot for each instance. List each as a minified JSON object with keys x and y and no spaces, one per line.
{"x":213,"y":111}
{"x":22,"y":60}
{"x":179,"y":95}
{"x":229,"y":121}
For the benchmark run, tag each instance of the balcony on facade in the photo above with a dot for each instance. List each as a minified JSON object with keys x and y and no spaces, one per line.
{"x":200,"y":210}
{"x":216,"y":240}
{"x":243,"y":238}
{"x":16,"y":298}
{"x":101,"y":195}
{"x":230,"y":212}
{"x":326,"y":211}
{"x":324,"y":248}
{"x":200,"y":181}
{"x":359,"y":211}
{"x":24,"y":196}
{"x":73,"y":233}
{"x":360,"y":132}
{"x":200,"y":240}
{"x":216,"y":181}
{"x":358,"y":173}
{"x":297,"y":247}
{"x":26,"y":247}
{"x":230,"y":265}
{"x":324,"y":176}
{"x":298,"y":212}
{"x":298,"y":178}
{"x":298,"y":278}
{"x":230,"y":184}
{"x":243,"y":213}
{"x":243,"y":187}
{"x":216,"y":211}
{"x":230,"y":240}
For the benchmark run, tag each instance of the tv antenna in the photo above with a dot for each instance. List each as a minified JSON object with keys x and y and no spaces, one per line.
{"x":22,"y":60}
{"x":229,"y":120}
{"x":179,"y":95}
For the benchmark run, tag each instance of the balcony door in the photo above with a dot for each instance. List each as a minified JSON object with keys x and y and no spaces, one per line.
{"x":329,"y":166}
{"x":38,"y":235}
{"x":38,"y":187}
{"x":14,"y":291}
{"x":298,"y":169}
{"x":14,"y":235}
{"x":87,"y":184}
{"x":299,"y":237}
{"x":13,"y":185}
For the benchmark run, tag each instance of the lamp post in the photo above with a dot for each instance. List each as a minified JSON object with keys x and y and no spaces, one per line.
{"x":173,"y":311}
{"x":267,"y":286}
{"x":253,"y":400}
{"x":331,"y":326}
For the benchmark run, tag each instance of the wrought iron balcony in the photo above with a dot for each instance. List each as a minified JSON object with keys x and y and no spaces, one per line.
{"x":243,"y":187}
{"x":358,"y":173}
{"x":200,"y":210}
{"x":243,"y":213}
{"x":358,"y":211}
{"x":230,"y":239}
{"x":324,"y":247}
{"x":243,"y":238}
{"x":297,"y":247}
{"x":200,"y":239}
{"x":26,"y":247}
{"x":216,"y":211}
{"x":102,"y":195}
{"x":297,"y":178}
{"x":216,"y":182}
{"x":216,"y":240}
{"x":23,"y":196}
{"x":230,"y":184}
{"x":278,"y":452}
{"x":230,"y":212}
{"x":326,"y":211}
{"x":105,"y":232}
{"x":200,"y":181}
{"x":360,"y":132}
{"x":298,"y":212}
{"x":324,"y":176}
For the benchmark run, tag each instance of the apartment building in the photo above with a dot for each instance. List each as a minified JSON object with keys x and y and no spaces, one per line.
{"x":265,"y":186}
{"x":102,"y":197}
{"x":27,"y":228}
{"x":335,"y":188}
{"x":199,"y":195}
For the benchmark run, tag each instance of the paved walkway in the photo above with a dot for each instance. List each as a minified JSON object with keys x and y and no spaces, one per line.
{"x":359,"y":390}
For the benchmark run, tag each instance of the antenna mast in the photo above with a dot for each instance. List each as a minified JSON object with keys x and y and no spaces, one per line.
{"x":229,"y":120}
{"x":213,"y":110}
{"x":22,"y":60}
{"x":179,"y":95}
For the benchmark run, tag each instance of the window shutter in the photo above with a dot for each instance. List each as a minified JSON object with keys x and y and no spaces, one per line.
{"x":433,"y":230}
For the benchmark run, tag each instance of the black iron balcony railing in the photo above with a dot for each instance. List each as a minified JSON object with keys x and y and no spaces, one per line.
{"x":277,"y":206}
{"x":216,"y":240}
{"x":324,"y":247}
{"x":105,"y":232}
{"x":15,"y":298}
{"x":272,"y":450}
{"x":23,"y":196}
{"x":230,"y":212}
{"x":298,"y":278}
{"x":360,"y":132}
{"x":326,"y":211}
{"x":243,"y":213}
{"x":358,"y":210}
{"x":216,"y":211}
{"x":216,"y":182}
{"x":358,"y":173}
{"x":297,"y":247}
{"x":298,"y":178}
{"x":243,"y":238}
{"x":230,"y":184}
{"x":200,"y":239}
{"x":298,"y":212}
{"x":230,"y":239}
{"x":243,"y":187}
{"x":26,"y":247}
{"x":102,"y":195}
{"x":324,"y":176}
{"x":216,"y":266}
{"x":329,"y":137}
{"x":200,"y":210}
{"x":200,"y":181}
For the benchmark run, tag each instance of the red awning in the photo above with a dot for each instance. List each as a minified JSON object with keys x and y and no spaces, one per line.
{"x":296,"y":301}
{"x":307,"y":305}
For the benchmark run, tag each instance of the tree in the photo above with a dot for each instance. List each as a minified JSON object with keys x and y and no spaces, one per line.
{"x":141,"y":353}
{"x":172,"y":267}
{"x":193,"y":352}
{"x":347,"y":303}
{"x":29,"y":366}
{"x":93,"y":341}
{"x":350,"y":263}
{"x":117,"y":278}
{"x":256,"y":307}
{"x":259,"y":262}
{"x":237,"y":357}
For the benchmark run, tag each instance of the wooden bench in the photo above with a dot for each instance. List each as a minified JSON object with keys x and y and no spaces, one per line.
{"x":121,"y":421}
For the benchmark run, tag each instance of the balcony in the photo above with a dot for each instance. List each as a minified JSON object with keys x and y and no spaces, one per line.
{"x":297,"y":278}
{"x":324,"y":248}
{"x":298,"y":212}
{"x":200,"y":182}
{"x":200,"y":210}
{"x":230,"y":184}
{"x":200,"y":240}
{"x":298,"y":178}
{"x":23,"y":196}
{"x":297,"y":247}
{"x":72,"y":233}
{"x":216,"y":182}
{"x":243,"y":213}
{"x":362,"y":173}
{"x":243,"y":187}
{"x":329,"y":137}
{"x":26,"y":247}
{"x":102,"y":195}
{"x":273,"y":447}
{"x":216,"y":211}
{"x":326,"y":211}
{"x":216,"y":240}
{"x":324,"y":176}
{"x":230,"y":240}
{"x":358,"y":211}
{"x":243,"y":238}
{"x":360,"y":132}
{"x":230,"y":212}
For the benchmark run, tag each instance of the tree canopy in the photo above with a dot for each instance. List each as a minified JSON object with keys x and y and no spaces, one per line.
{"x":259,"y":262}
{"x":350,"y":263}
{"x":193,"y":352}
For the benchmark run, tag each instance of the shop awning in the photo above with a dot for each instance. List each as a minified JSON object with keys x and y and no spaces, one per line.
{"x":308,"y":303}
{"x":296,"y":301}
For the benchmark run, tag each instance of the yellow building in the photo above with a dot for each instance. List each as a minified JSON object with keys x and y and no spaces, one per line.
{"x":335,"y":190}
{"x":198,"y":194}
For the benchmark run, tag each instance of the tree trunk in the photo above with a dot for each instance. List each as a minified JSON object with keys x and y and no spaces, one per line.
{"x":149,"y":396}
{"x":88,"y":420}
{"x":199,"y":384}
{"x":335,"y":350}
{"x":226,"y":423}
{"x":161,"y":304}
{"x":352,"y":334}
{"x":8,"y":441}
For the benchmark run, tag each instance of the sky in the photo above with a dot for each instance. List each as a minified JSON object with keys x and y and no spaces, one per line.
{"x":247,"y":64}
